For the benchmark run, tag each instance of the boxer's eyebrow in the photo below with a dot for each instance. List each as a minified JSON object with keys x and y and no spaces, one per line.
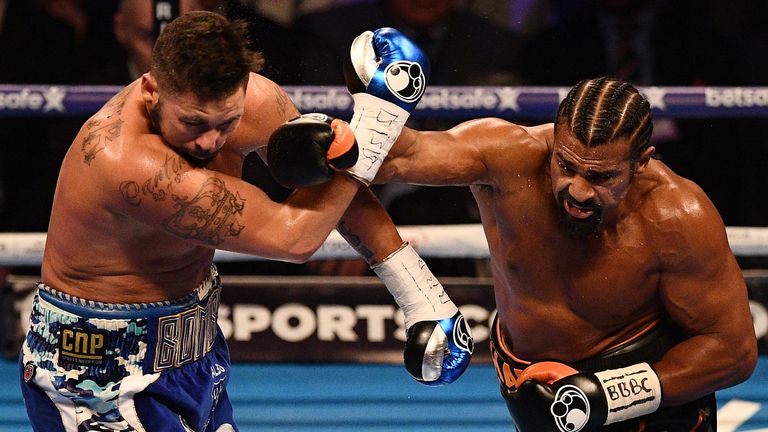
{"x":197,"y":120}
{"x":564,"y":162}
{"x":192,"y":119}
{"x":603,"y":175}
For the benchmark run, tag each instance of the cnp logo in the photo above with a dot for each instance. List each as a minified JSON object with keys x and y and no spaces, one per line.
{"x":405,"y":79}
{"x":82,"y":347}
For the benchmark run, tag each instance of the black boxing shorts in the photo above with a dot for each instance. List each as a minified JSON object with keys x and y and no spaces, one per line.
{"x":650,"y":345}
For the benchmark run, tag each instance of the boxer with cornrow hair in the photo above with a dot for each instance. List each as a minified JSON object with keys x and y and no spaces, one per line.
{"x":620,"y":306}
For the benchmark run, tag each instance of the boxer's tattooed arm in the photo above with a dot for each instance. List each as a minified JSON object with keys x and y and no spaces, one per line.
{"x":285,"y":105}
{"x":131,"y":192}
{"x":104,"y":127}
{"x":355,"y":241}
{"x":158,"y":186}
{"x":212,"y":215}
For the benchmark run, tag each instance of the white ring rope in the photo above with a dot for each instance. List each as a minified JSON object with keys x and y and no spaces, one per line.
{"x":431,"y":241}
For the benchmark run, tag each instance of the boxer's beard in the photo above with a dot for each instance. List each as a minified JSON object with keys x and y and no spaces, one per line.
{"x":194,"y":159}
{"x":579,"y":227}
{"x":154,"y":117}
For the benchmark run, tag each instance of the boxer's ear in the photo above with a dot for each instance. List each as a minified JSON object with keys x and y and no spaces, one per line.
{"x":644,"y":158}
{"x":149,"y":89}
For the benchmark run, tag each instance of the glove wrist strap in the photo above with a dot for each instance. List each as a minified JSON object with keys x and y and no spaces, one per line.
{"x":415,"y":289}
{"x":631,"y":392}
{"x":377,"y":124}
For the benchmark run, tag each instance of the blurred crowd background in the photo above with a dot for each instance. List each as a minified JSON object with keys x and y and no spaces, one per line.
{"x":481,"y":42}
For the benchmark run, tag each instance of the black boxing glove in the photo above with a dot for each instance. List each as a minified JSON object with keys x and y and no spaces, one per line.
{"x":305,"y":150}
{"x":553,"y":397}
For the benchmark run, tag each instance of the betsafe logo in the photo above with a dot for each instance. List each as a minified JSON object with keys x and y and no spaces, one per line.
{"x":43,"y":99}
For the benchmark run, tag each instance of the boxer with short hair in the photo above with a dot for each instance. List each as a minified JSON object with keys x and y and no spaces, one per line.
{"x":123,"y":332}
{"x":620,"y":304}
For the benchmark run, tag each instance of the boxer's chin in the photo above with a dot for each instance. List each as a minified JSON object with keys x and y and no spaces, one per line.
{"x":579,"y":221}
{"x":581,"y":227}
{"x":199,"y":159}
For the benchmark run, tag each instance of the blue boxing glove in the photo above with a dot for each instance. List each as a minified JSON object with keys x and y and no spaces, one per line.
{"x":438,"y":352}
{"x":387,"y":65}
{"x":386,"y":74}
{"x":553,"y":397}
{"x":438,"y":345}
{"x":305,"y":150}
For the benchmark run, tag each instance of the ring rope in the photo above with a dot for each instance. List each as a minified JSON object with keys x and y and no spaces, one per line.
{"x":431,"y":241}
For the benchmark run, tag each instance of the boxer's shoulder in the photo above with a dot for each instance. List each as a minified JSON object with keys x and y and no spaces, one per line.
{"x":663,"y":194}
{"x":510,"y":148}
{"x":677,"y":214}
{"x":262,"y":93}
{"x":267,"y":106}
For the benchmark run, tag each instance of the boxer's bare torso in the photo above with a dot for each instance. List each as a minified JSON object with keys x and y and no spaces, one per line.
{"x":98,"y":249}
{"x":584,"y":292}
{"x":662,"y":251}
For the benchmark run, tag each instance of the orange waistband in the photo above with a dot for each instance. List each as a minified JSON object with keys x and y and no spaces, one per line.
{"x":509,"y":366}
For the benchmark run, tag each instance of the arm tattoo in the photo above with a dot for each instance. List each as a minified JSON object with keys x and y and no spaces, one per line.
{"x":354,"y":241}
{"x":104,"y":127}
{"x":210,"y":216}
{"x":158,"y":186}
{"x":284,"y":104}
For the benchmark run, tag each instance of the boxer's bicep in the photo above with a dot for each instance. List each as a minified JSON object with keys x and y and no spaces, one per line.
{"x":704,"y":292}
{"x":701,"y":283}
{"x":460,"y":156}
{"x":698,"y":290}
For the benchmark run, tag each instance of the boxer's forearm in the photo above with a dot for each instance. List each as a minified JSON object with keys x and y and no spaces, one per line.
{"x":701,"y":365}
{"x":367,"y":227}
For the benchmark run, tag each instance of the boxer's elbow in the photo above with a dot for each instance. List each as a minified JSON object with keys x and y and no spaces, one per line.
{"x":299,"y":252}
{"x":745,"y":360}
{"x":282,"y":245}
{"x":298,"y":249}
{"x":737,"y":359}
{"x":300,"y":258}
{"x":298,"y":233}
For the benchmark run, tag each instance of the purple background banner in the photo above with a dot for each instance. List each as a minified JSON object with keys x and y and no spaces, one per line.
{"x":446,"y":102}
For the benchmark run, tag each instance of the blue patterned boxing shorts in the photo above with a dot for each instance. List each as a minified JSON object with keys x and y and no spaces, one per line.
{"x":92,"y":366}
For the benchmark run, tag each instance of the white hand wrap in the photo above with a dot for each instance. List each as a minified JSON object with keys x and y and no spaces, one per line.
{"x":631,"y":392}
{"x":415,"y":289}
{"x":376,"y":124}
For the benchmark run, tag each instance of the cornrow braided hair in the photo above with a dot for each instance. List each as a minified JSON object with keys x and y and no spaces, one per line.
{"x":602,"y":110}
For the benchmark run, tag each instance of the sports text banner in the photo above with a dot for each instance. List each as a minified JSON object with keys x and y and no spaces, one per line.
{"x":329,"y":319}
